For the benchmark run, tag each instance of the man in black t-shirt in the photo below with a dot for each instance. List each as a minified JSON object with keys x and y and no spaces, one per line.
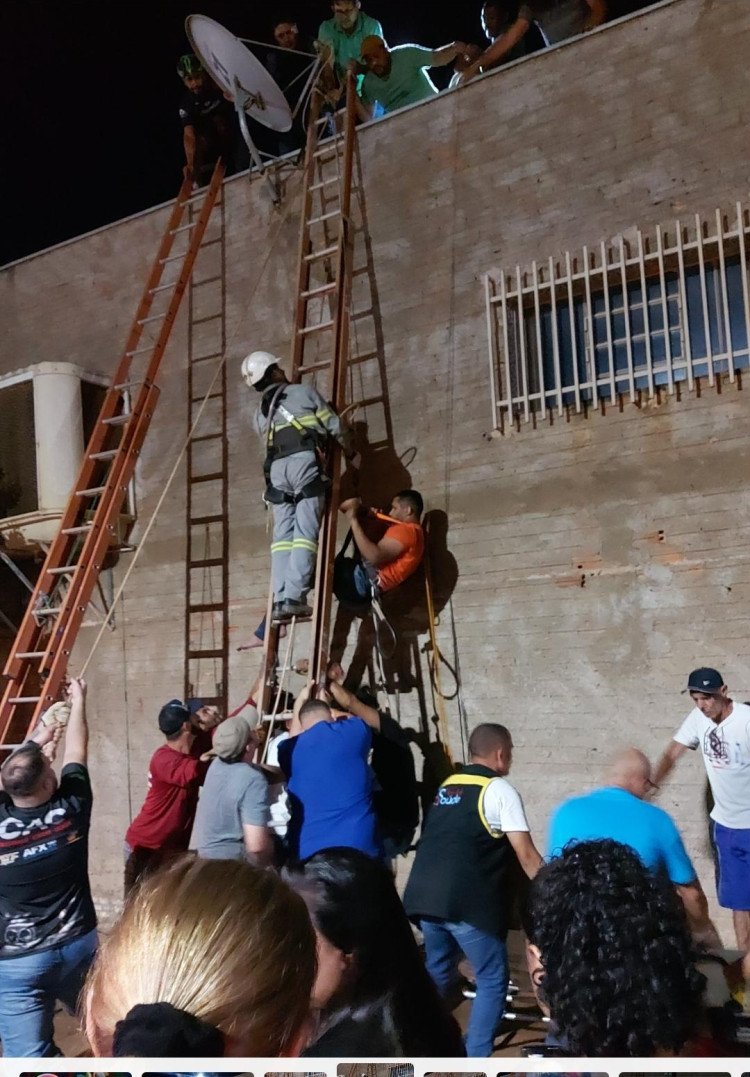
{"x":47,"y":918}
{"x":209,"y":124}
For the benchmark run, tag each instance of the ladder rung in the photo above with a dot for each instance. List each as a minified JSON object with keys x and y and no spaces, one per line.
{"x":363,"y":358}
{"x":321,"y":290}
{"x":207,"y":318}
{"x":210,"y":477}
{"x":200,"y":399}
{"x":324,"y":217}
{"x":214,"y":519}
{"x":309,"y":367}
{"x":316,"y":328}
{"x":76,"y":530}
{"x":324,"y":183}
{"x":207,"y":562}
{"x":206,"y":607}
{"x":324,"y":252}
{"x":93,"y":491}
{"x":210,"y":242}
{"x":152,"y":318}
{"x":182,"y":228}
{"x":173,"y":258}
{"x":118,"y":420}
{"x":206,"y":280}
{"x":140,"y":351}
{"x":332,"y":150}
{"x":24,"y":699}
{"x":205,"y":358}
{"x":206,"y":437}
{"x":123,"y":385}
{"x":162,"y":287}
{"x":29,"y":654}
{"x":206,"y":654}
{"x":62,"y":571}
{"x":107,"y":454}
{"x":48,"y":612}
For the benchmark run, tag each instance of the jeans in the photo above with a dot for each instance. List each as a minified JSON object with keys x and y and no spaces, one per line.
{"x":443,"y":940}
{"x":29,"y":988}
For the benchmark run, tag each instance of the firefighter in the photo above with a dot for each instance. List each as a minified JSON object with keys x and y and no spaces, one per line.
{"x":295,"y":423}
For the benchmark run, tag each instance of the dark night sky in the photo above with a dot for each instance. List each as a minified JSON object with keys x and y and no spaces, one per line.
{"x":91,"y":133}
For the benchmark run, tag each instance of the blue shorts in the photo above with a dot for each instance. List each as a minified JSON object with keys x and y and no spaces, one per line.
{"x":732,"y":853}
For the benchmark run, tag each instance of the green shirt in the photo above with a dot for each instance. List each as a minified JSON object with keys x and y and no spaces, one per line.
{"x":407,"y":81}
{"x":347,"y":47}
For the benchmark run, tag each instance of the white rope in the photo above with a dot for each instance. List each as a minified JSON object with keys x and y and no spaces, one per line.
{"x":219,"y":367}
{"x":285,"y":670}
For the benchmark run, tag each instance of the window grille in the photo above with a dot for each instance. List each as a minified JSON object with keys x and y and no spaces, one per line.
{"x":632,"y":317}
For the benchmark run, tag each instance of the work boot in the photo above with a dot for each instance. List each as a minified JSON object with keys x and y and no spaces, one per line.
{"x":277,"y":613}
{"x":293,"y":607}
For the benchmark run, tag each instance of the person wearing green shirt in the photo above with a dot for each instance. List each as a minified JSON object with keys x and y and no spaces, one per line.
{"x":346,"y":31}
{"x":398,"y":77}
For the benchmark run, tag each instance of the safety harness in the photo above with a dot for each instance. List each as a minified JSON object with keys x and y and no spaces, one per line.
{"x":291,"y":439}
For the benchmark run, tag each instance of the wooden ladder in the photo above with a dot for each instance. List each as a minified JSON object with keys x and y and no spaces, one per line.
{"x":320,"y":342}
{"x":38,"y":660}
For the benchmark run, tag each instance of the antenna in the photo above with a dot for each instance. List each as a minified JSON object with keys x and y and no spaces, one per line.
{"x":240,"y":75}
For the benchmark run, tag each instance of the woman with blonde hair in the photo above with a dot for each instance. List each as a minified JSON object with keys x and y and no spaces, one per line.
{"x":210,"y":958}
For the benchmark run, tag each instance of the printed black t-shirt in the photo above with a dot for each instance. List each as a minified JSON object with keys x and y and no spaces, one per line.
{"x":205,"y":111}
{"x":45,"y":897}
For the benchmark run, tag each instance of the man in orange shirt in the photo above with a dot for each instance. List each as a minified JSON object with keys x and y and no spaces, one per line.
{"x":396,"y":555}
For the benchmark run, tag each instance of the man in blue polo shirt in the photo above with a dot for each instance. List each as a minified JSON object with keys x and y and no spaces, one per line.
{"x":619,"y":811}
{"x":330,"y":783}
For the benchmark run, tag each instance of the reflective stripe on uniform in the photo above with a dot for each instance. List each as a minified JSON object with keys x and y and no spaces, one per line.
{"x":277,"y":547}
{"x":476,"y":779}
{"x":305,"y":544}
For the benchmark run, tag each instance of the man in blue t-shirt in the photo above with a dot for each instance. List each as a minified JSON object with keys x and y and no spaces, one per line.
{"x":329,"y":782}
{"x":619,"y":811}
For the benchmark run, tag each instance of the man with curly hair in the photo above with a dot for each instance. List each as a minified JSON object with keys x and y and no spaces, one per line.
{"x":609,"y":954}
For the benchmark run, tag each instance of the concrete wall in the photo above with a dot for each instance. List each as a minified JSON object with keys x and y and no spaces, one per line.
{"x":599,"y":559}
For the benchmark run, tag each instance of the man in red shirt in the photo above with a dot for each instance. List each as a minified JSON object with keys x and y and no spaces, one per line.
{"x":390,"y":559}
{"x":162,"y":828}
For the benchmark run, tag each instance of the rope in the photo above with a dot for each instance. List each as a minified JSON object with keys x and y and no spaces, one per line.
{"x":435,"y":659}
{"x":219,"y":367}
{"x":286,"y":666}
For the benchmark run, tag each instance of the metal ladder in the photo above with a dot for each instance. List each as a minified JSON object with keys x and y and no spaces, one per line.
{"x":38,"y":659}
{"x":207,"y":493}
{"x":320,"y":342}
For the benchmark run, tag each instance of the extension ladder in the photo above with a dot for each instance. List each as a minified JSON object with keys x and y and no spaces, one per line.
{"x":320,"y":342}
{"x":37,"y":663}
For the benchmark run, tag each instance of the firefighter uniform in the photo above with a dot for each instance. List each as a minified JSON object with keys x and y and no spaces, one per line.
{"x":295,"y":423}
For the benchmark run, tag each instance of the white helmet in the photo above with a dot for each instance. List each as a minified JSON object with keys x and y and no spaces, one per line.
{"x":255,"y":365}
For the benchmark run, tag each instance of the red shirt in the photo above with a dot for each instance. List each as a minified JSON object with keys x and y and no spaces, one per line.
{"x":166,"y":818}
{"x":411,"y":537}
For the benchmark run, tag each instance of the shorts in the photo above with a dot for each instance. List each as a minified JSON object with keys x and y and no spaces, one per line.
{"x":732,"y":856}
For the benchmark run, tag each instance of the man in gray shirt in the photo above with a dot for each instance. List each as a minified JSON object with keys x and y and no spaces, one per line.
{"x":232,"y":818}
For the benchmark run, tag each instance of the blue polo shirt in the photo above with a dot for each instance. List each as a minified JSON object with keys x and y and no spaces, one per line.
{"x":615,"y":813}
{"x":330,"y":786}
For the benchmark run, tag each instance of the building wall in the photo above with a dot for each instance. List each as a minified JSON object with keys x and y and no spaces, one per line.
{"x":599,"y":559}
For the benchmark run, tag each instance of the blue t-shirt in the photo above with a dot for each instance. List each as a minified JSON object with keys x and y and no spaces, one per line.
{"x":617,"y":814}
{"x":330,"y":784}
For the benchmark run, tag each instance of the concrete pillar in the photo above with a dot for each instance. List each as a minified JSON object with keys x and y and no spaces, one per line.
{"x":58,"y":422}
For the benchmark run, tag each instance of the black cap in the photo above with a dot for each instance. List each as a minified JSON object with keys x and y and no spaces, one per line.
{"x":194,"y":705}
{"x":706,"y":680}
{"x":173,"y":716}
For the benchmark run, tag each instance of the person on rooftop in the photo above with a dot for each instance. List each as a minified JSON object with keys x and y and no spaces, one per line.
{"x":209,"y":124}
{"x":345,"y":32}
{"x":398,"y":77}
{"x":556,"y":19}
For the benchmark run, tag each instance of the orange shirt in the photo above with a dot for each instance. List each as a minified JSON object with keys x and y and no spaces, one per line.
{"x":395,"y":572}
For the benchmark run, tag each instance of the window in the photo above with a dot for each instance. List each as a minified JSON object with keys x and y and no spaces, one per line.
{"x":622,"y":323}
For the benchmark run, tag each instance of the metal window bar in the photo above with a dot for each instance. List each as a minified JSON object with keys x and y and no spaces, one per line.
{"x":681,"y":284}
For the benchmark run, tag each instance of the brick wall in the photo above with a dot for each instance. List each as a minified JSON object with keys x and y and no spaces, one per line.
{"x":599,"y":559}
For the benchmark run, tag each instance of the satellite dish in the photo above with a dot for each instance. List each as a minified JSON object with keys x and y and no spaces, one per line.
{"x":236,"y":71}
